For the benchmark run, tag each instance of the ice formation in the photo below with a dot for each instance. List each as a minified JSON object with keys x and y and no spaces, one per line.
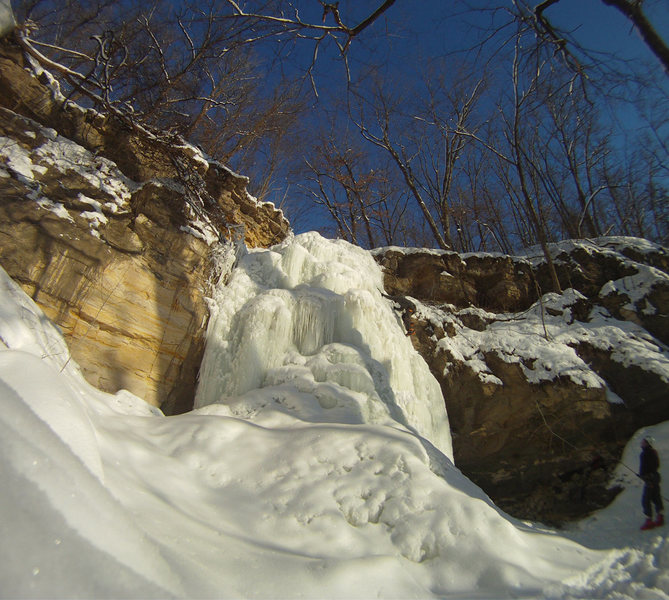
{"x":310,"y":313}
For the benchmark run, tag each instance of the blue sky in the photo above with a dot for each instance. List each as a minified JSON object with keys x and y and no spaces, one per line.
{"x":605,"y":28}
{"x":440,"y":27}
{"x":407,"y":37}
{"x":411,"y":33}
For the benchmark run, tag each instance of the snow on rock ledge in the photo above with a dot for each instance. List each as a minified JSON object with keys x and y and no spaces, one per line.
{"x":537,"y":387}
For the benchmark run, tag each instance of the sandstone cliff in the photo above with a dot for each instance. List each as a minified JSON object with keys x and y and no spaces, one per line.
{"x":110,"y":229}
{"x":542,"y":391}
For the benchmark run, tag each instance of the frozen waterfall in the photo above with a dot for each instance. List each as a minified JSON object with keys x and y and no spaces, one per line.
{"x":308,"y":315}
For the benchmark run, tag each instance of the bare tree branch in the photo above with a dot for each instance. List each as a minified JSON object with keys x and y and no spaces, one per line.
{"x":295,"y":23}
{"x":633,"y":10}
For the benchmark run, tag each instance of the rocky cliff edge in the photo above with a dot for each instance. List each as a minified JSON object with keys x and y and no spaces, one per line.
{"x":543,"y":390}
{"x":113,"y":231}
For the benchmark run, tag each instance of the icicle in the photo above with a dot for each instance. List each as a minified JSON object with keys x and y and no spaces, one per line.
{"x":259,"y":342}
{"x":313,"y":320}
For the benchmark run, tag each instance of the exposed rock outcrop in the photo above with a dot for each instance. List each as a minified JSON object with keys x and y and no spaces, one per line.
{"x":542,"y":391}
{"x":111,"y":230}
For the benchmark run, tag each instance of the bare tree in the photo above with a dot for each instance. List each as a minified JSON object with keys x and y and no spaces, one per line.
{"x":482,"y":220}
{"x":357,"y":190}
{"x":541,"y":167}
{"x":424,"y":136}
{"x":282,"y":18}
{"x":631,"y":9}
{"x":178,"y":67}
{"x":520,"y":172}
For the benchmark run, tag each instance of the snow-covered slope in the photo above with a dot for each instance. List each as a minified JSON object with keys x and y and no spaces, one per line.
{"x":317,"y":464}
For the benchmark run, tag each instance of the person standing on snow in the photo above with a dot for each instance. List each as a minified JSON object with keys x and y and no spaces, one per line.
{"x":649,"y":464}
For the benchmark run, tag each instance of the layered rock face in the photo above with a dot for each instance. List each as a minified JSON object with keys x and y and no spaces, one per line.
{"x":542,"y":391}
{"x":114,"y":233}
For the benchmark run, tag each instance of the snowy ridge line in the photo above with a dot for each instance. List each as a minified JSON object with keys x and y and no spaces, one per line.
{"x":535,"y":253}
{"x":101,"y":173}
{"x":543,"y":339}
{"x":521,"y":338}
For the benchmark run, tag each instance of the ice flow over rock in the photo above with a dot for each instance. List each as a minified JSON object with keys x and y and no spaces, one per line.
{"x":309,"y":314}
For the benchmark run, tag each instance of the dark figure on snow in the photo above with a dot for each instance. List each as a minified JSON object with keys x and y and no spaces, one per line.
{"x":648,"y":471}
